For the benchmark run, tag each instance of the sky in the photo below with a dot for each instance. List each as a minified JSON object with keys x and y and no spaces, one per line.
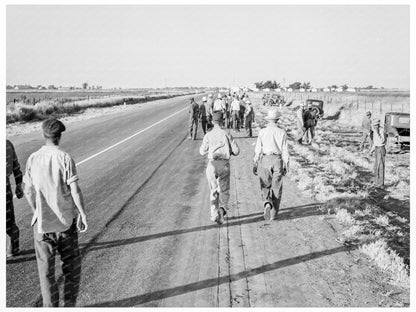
{"x":234,"y":45}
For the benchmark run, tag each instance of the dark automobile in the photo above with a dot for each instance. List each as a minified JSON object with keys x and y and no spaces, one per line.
{"x":274,"y":99}
{"x":397,"y":130}
{"x":317,"y":106}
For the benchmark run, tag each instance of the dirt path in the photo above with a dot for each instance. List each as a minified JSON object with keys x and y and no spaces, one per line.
{"x":294,"y":261}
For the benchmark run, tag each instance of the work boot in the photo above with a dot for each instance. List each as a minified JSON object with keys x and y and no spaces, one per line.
{"x":266,"y":213}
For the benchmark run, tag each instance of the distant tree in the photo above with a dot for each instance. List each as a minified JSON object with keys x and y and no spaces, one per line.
{"x":344,"y":87}
{"x":85,"y":85}
{"x":9,"y":87}
{"x":51,"y":87}
{"x":334,"y":86}
{"x":295,"y":86}
{"x":306,"y":85}
{"x":369,"y":87}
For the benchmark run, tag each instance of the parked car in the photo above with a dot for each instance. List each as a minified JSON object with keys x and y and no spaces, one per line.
{"x":397,"y":130}
{"x":317,"y":106}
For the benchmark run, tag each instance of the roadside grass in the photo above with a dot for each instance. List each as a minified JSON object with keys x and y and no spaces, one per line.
{"x":20,"y":112}
{"x":340,"y":178}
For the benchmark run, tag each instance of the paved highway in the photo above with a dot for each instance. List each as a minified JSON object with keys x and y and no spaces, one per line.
{"x":147,"y":204}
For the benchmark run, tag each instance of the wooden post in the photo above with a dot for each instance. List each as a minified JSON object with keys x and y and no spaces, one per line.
{"x":391,"y":106}
{"x":381,"y":109}
{"x":372,"y":106}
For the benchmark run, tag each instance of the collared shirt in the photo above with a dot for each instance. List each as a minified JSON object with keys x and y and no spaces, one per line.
{"x":49,"y":173}
{"x":12,"y":164}
{"x":235,"y":105}
{"x":219,"y":105}
{"x":209,"y":105}
{"x":379,"y":138}
{"x":193,"y":111}
{"x":218,"y":144}
{"x":202,"y":111}
{"x":272,"y":140}
{"x":366,"y":124}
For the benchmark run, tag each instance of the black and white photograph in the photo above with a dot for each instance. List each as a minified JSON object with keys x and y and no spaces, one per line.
{"x":207,"y":155}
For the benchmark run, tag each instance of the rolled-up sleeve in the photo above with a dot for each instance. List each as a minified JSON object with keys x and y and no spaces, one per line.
{"x":235,"y":150}
{"x":71,"y":171}
{"x":285,"y":151}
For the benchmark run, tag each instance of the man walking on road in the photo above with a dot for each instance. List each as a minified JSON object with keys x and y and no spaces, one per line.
{"x":193,"y":119}
{"x":380,"y":149}
{"x":219,"y":145}
{"x":52,"y":191}
{"x":12,"y":231}
{"x":300,"y":120}
{"x":367,"y":131}
{"x":311,"y":120}
{"x":271,"y":162}
{"x":235,"y":108}
{"x":249,"y":117}
{"x":203,"y":114}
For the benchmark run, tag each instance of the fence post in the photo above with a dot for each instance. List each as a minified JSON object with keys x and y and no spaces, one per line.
{"x":381,"y":106}
{"x":391,"y":106}
{"x":372,"y":106}
{"x":402,"y":107}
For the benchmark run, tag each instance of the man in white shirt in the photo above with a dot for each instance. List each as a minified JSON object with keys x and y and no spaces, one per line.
{"x":379,"y":142}
{"x":218,"y":145}
{"x":271,"y":160}
{"x":235,"y":111}
{"x":52,"y":191}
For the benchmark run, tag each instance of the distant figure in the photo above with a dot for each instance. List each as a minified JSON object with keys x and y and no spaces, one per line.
{"x":300,"y":121}
{"x":235,"y":109}
{"x":219,"y":105}
{"x":367,"y":131}
{"x":209,"y":107}
{"x":203,"y":114}
{"x":242,"y":111}
{"x":52,"y":191}
{"x":311,"y":121}
{"x":249,"y":117}
{"x":219,"y":145}
{"x":12,"y":231}
{"x":379,"y":141}
{"x":227,"y":116}
{"x":271,"y":163}
{"x":193,"y":119}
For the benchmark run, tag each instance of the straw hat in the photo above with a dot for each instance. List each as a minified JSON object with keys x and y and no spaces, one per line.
{"x":273,"y":114}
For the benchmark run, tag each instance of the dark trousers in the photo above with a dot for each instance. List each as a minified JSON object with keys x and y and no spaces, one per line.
{"x":249,"y":128}
{"x":204,"y":124}
{"x":380,"y":154}
{"x":46,"y":245}
{"x":12,"y":230}
{"x":193,"y":127}
{"x":369,"y":135}
{"x":236,"y":117}
{"x":271,"y":180}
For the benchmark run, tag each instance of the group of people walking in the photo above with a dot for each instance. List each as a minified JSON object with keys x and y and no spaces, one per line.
{"x":237,"y":112}
{"x":53,"y":193}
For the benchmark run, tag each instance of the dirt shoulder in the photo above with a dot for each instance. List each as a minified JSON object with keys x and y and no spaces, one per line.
{"x":298,"y":260}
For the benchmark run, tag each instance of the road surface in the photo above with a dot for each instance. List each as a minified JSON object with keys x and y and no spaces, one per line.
{"x":150,"y":241}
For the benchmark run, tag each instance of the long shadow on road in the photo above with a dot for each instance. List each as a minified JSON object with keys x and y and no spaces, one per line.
{"x":175,"y":291}
{"x":288,"y":213}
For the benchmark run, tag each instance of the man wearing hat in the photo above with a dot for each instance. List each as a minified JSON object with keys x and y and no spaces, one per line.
{"x":203,"y":114}
{"x":300,"y":120}
{"x":249,"y":117}
{"x":219,"y":104}
{"x":193,"y":119}
{"x":235,"y":113}
{"x":12,"y":230}
{"x":379,"y":142}
{"x":271,"y":163}
{"x":52,"y":191}
{"x":219,"y":146}
{"x":367,"y":131}
{"x":209,"y":107}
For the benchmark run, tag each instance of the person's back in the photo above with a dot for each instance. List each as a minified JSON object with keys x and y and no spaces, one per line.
{"x":51,"y":173}
{"x":194,"y":110}
{"x":218,"y":142}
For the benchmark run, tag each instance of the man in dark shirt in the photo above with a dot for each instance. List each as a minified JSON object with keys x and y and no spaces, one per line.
{"x":193,"y":119}
{"x":367,"y":131}
{"x":12,"y":231}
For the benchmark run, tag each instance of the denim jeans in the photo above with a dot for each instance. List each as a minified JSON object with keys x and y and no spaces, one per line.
{"x":12,"y":230}
{"x":380,"y":153}
{"x":218,"y":175}
{"x":46,"y":245}
{"x":271,"y":180}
